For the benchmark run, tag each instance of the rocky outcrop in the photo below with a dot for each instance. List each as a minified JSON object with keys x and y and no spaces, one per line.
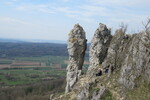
{"x":137,"y":61}
{"x":98,"y":52}
{"x":89,"y":90}
{"x":76,"y":48}
{"x":119,"y":67}
{"x":115,"y":55}
{"x":98,"y":49}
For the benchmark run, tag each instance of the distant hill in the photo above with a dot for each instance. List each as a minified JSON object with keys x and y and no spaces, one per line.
{"x":44,"y":41}
{"x":25,"y":49}
{"x":32,"y":41}
{"x":10,"y":40}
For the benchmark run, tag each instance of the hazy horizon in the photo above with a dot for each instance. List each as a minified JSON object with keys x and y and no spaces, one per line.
{"x":53,"y":19}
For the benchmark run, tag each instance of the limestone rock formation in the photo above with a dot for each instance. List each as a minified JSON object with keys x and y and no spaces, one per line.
{"x":89,"y":90}
{"x":137,"y":61}
{"x":115,"y":48}
{"x":98,"y":49}
{"x":76,"y":48}
{"x":98,"y":52}
{"x":119,"y":67}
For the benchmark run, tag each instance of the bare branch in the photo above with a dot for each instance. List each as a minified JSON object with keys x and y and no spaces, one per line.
{"x":123,"y":27}
{"x":146,"y":25}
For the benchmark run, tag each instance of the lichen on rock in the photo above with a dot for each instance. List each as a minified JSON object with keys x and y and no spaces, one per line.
{"x":76,"y":48}
{"x":98,"y":49}
{"x":136,"y":63}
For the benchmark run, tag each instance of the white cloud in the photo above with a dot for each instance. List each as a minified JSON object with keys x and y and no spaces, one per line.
{"x":31,"y":8}
{"x":111,"y":9}
{"x":122,"y":2}
{"x":11,"y":2}
{"x":89,"y":10}
{"x":89,"y":13}
{"x":6,"y":19}
{"x":75,"y":13}
{"x":12,"y":20}
{"x":65,"y":0}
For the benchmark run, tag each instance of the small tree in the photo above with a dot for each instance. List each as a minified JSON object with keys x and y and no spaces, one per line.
{"x":123,"y":27}
{"x":146,"y":25}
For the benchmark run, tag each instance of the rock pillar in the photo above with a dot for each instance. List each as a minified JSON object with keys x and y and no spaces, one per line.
{"x":98,"y":49}
{"x":76,"y":49}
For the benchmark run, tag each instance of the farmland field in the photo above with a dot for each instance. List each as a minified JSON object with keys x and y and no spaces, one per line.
{"x":29,"y":75}
{"x":25,"y":70}
{"x":33,"y":71}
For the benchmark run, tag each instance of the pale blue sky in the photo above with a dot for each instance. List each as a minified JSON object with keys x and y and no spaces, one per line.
{"x":53,"y":19}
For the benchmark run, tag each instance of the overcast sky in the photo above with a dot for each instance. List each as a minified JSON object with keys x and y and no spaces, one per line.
{"x":53,"y":19}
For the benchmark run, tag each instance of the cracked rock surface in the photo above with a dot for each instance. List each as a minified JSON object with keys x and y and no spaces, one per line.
{"x":76,"y":49}
{"x":98,"y":48}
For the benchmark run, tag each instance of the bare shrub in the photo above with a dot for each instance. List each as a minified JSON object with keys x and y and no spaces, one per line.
{"x":146,"y":25}
{"x":123,"y":27}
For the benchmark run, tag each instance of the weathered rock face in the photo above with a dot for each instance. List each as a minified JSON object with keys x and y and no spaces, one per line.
{"x":76,"y":48}
{"x":98,"y":52}
{"x":115,"y":54}
{"x":98,"y":49}
{"x":119,"y":65}
{"x":89,"y":90}
{"x":128,"y":54}
{"x":137,"y":61}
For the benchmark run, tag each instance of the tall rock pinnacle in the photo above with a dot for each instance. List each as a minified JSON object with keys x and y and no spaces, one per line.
{"x":98,"y":48}
{"x":76,"y":48}
{"x":119,"y":66}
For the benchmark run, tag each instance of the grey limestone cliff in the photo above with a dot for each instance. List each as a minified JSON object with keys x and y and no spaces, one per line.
{"x":119,"y":66}
{"x":98,"y":49}
{"x":76,"y":49}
